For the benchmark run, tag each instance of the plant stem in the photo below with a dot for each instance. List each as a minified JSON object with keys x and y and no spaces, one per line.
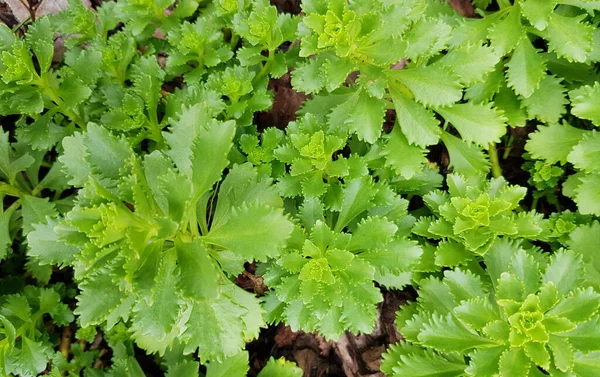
{"x":508,"y":147}
{"x":266,"y":67}
{"x":493,"y":153}
{"x":534,"y":203}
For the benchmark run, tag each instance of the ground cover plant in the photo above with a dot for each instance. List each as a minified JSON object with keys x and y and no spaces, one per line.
{"x":327,"y":188}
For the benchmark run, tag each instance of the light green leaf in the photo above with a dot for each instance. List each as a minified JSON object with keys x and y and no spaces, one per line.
{"x":585,"y":102}
{"x":199,"y":274}
{"x":585,"y":155}
{"x":219,"y":328}
{"x":587,"y":194}
{"x":30,"y":360}
{"x":554,"y":142}
{"x":465,"y":158}
{"x":362,"y":114}
{"x":46,"y":246}
{"x":357,"y":197}
{"x":484,"y":361}
{"x":562,"y":352}
{"x":280,"y":368}
{"x":407,"y":160}
{"x":586,"y":364}
{"x":235,"y":366}
{"x":514,"y":362}
{"x":35,"y":210}
{"x":586,"y":337}
{"x":505,"y":34}
{"x":538,"y":353}
{"x":548,"y":102}
{"x":404,"y":360}
{"x":431,"y":85}
{"x":253,"y":231}
{"x":564,"y":271}
{"x":464,"y":285}
{"x":444,"y":333}
{"x":538,"y":12}
{"x":569,"y":37}
{"x":460,"y":61}
{"x":157,"y":317}
{"x":577,"y":307}
{"x":417,"y":123}
{"x":526,"y":68}
{"x":479,"y":124}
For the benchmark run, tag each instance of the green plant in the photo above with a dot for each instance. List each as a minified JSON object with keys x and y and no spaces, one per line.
{"x":141,"y":185}
{"x":526,"y":312}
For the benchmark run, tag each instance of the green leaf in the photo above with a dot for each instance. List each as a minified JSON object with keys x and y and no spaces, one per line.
{"x":585,"y":102}
{"x":40,"y":38}
{"x":219,"y":328}
{"x":280,"y":368}
{"x":538,"y":12}
{"x":185,"y":369}
{"x":99,"y":300}
{"x":460,"y":61}
{"x":548,"y":102}
{"x":514,"y":362}
{"x":465,"y":158}
{"x":357,"y":197}
{"x":484,"y":361}
{"x":587,"y":194}
{"x":525,"y":69}
{"x":47,"y":247}
{"x":505,"y":34}
{"x":435,"y":296}
{"x":241,"y":234}
{"x":373,"y":232}
{"x":554,"y":142}
{"x":538,"y":353}
{"x":362,"y":114}
{"x":464,"y":285}
{"x":451,"y":253}
{"x":477,"y":313}
{"x":564,"y":271}
{"x":199,"y":274}
{"x":431,"y":85}
{"x":562,"y":352}
{"x":235,"y":366}
{"x":308,"y":77}
{"x":5,"y":238}
{"x":73,"y":159}
{"x":199,"y":146}
{"x":569,"y":37}
{"x":586,"y":337}
{"x":585,"y":154}
{"x":444,"y":333}
{"x":35,"y":210}
{"x":31,"y":359}
{"x":157,"y":317}
{"x":586,"y":364}
{"x":106,"y":154}
{"x":578,"y":306}
{"x":479,"y":124}
{"x":417,"y":123}
{"x":507,"y":101}
{"x":403,"y":360}
{"x":407,"y":160}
